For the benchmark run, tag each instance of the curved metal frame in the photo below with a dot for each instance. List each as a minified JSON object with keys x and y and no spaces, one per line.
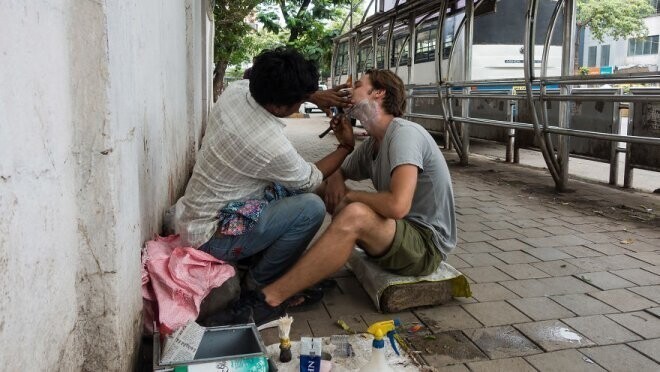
{"x":556,"y":160}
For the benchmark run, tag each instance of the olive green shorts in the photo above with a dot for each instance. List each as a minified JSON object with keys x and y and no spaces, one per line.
{"x":412,"y":253}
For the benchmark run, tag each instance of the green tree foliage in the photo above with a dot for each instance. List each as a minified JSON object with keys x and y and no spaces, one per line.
{"x":613,"y":18}
{"x":230,"y":32}
{"x":307,"y":23}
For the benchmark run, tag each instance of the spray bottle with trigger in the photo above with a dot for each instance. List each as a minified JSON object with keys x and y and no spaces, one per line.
{"x":378,"y":363}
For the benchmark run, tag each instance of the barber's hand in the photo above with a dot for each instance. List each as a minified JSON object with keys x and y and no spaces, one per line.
{"x":337,"y":96}
{"x":341,"y":125}
{"x":335,"y":190}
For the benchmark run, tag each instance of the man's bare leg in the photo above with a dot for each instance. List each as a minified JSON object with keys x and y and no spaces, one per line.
{"x":354,"y":223}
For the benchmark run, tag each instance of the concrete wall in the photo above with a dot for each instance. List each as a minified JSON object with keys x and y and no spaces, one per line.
{"x":100,"y":117}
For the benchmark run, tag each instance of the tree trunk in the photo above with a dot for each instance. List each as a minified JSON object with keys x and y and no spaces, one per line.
{"x":576,"y":57}
{"x":218,"y":78}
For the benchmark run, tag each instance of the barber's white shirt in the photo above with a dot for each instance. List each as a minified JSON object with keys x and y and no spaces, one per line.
{"x":243,"y":151}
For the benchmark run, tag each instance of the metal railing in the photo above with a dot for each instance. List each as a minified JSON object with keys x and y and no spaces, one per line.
{"x":536,"y":96}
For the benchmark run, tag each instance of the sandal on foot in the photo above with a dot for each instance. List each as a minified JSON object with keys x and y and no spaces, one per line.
{"x":304,"y":300}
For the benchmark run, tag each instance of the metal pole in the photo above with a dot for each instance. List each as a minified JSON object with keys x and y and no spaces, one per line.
{"x":628,"y":170}
{"x":467,"y":75}
{"x":567,"y":57}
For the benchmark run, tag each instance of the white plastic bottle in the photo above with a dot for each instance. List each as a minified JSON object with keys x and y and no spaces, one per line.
{"x":377,"y":363}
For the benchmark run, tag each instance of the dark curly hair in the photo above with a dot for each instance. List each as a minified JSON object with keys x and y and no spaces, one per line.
{"x":283,"y":77}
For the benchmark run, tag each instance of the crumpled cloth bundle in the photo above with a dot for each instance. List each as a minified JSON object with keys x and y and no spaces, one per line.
{"x":175,"y":280}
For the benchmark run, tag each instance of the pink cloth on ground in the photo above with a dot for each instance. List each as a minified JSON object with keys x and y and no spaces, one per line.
{"x":175,"y":280}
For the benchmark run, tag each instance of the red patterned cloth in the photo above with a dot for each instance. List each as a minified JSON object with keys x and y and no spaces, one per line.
{"x":175,"y":280}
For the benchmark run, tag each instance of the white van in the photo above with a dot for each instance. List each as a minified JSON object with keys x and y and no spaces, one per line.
{"x":308,"y":107}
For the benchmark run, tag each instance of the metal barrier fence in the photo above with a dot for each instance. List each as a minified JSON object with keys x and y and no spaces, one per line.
{"x":551,"y":109}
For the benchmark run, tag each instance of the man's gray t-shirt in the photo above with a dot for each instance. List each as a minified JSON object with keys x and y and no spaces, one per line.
{"x":406,"y":142}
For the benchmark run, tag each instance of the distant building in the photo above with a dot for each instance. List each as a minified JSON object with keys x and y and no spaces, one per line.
{"x":624,"y":55}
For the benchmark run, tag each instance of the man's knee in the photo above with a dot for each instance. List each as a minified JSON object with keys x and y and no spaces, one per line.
{"x":313,"y":208}
{"x":353,"y":217}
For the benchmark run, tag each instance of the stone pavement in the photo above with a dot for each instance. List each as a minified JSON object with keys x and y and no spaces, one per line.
{"x":561,"y":282}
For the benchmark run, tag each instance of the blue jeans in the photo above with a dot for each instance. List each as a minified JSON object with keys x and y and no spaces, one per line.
{"x":283,"y":231}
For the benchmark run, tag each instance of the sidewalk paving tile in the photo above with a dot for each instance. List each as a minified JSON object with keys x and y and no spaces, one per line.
{"x":654,"y":310}
{"x":472,"y":226}
{"x":406,"y":317}
{"x":478,"y":247}
{"x":547,"y":254}
{"x":329,"y":327}
{"x":453,"y":368}
{"x":522,"y":271}
{"x":446,"y":348}
{"x":457,"y":262}
{"x":485,"y":274}
{"x":509,"y":244}
{"x":447,"y":318}
{"x":652,"y":258}
{"x":619,"y":262}
{"x":553,"y":335}
{"x":636,"y":245}
{"x":558,"y":268}
{"x":569,"y":360}
{"x":502,"y":342}
{"x":498,"y":225}
{"x":540,"y":308}
{"x":652,"y":292}
{"x":607,"y":248}
{"x":601,"y":329}
{"x":620,"y":358}
{"x":581,"y":304}
{"x":515,"y":257}
{"x":623,"y":299}
{"x":604,"y":280}
{"x":526,"y":287}
{"x":504,"y":234}
{"x":475,"y":236}
{"x":640,"y":322}
{"x":351,"y":300}
{"x":508,"y":365}
{"x":579,"y":251}
{"x":495,"y":313}
{"x":638,"y":276}
{"x":479,"y":259}
{"x":484,"y":292}
{"x":596,"y":237}
{"x":650,"y":348}
{"x":532,"y":232}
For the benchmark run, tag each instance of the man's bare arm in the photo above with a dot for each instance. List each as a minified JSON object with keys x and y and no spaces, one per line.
{"x":395,"y":203}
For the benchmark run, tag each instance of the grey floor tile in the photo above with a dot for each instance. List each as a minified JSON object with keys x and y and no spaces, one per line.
{"x":484,"y":292}
{"x":640,"y":322}
{"x":509,"y":244}
{"x":495,"y":313}
{"x":502,"y":342}
{"x":623,"y":299}
{"x":447,"y":318}
{"x":485,"y":274}
{"x":502,"y":365}
{"x":515,"y":257}
{"x":553,"y":335}
{"x":558,"y":268}
{"x":650,"y":348}
{"x":601,"y":330}
{"x":446,"y":348}
{"x":479,"y":259}
{"x":540,"y":308}
{"x":604,"y":280}
{"x":563,"y":361}
{"x":522,"y":271}
{"x":620,"y":358}
{"x":580,"y":251}
{"x":547,"y":254}
{"x":638,"y":276}
{"x":652,"y":292}
{"x":582,"y":304}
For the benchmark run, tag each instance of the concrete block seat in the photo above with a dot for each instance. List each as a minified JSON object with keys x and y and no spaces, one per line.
{"x":393,"y":293}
